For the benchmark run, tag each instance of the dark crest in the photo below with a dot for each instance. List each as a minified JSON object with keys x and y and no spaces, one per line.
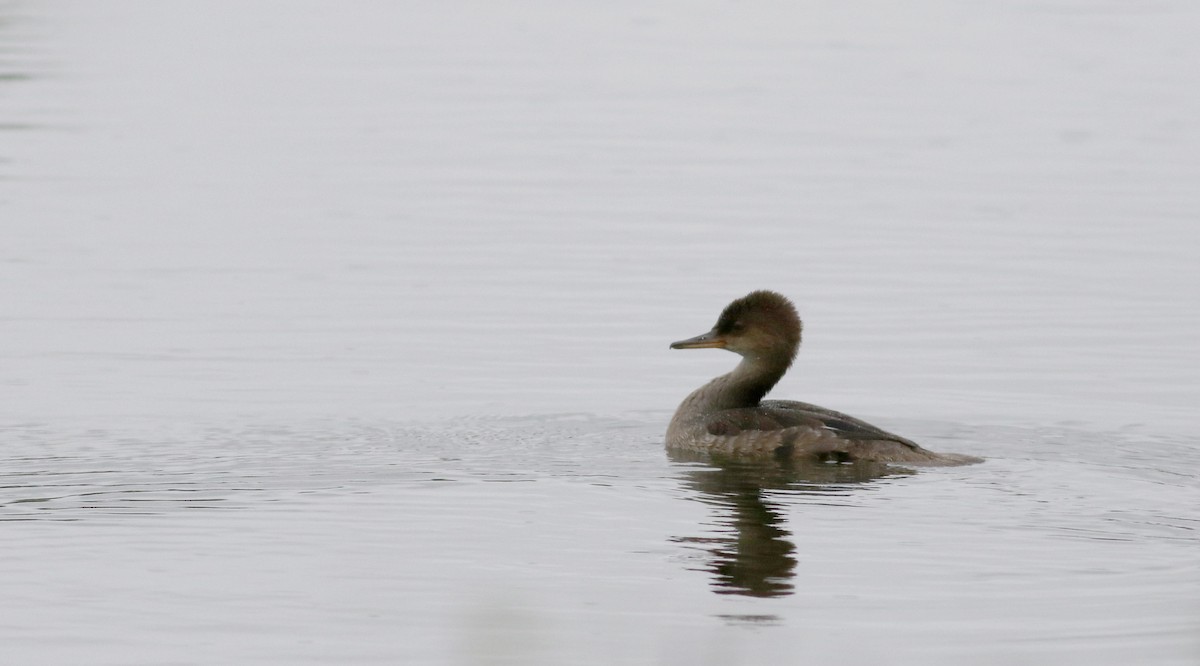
{"x":762,"y":309}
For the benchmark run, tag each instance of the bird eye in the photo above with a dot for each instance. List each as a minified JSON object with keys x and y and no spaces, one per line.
{"x":737,"y":326}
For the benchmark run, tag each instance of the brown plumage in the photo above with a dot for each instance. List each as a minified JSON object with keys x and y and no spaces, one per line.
{"x":728,"y":414}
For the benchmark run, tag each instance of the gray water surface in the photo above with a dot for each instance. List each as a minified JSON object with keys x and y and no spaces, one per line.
{"x":338,"y":333}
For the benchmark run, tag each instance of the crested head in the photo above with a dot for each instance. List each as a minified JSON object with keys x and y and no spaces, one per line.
{"x":761,"y":323}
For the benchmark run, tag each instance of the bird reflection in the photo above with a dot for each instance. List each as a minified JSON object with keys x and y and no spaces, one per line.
{"x":754,"y":555}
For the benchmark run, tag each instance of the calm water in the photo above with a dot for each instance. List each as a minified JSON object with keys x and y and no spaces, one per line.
{"x":337,"y":334}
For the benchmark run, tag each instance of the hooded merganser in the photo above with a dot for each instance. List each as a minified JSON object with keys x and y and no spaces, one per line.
{"x":728,"y":415}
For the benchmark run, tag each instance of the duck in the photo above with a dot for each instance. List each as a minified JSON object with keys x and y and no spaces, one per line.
{"x":728,"y":416}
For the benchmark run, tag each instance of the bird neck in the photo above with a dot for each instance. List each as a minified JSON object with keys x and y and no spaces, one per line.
{"x":746,"y":385}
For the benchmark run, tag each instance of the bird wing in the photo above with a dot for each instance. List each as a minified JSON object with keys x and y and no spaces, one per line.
{"x":729,"y":422}
{"x":775,"y":415}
